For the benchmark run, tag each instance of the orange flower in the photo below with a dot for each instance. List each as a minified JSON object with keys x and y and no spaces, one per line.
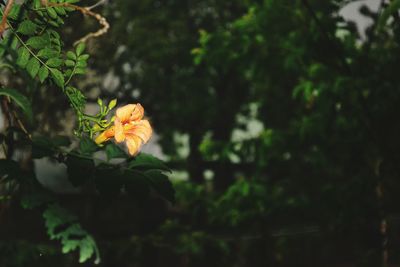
{"x":129,"y":127}
{"x":105,"y":136}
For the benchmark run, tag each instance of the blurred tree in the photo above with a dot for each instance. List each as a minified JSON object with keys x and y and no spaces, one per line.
{"x":154,"y":59}
{"x":328,"y":99}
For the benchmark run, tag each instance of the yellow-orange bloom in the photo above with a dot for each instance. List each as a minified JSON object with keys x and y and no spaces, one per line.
{"x":128,"y":126}
{"x":105,"y":136}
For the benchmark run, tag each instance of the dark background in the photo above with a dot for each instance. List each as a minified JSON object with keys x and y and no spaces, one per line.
{"x":279,"y":118}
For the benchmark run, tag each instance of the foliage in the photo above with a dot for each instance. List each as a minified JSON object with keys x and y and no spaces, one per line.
{"x":73,"y":236}
{"x":325,"y":92}
{"x":20,"y":100}
{"x":39,"y":59}
{"x":316,"y":181}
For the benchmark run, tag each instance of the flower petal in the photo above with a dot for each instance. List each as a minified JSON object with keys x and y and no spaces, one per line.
{"x":133,"y":143}
{"x":119,"y":131}
{"x":141,"y":129}
{"x":105,"y":136}
{"x":131,"y":112}
{"x":124,"y":113}
{"x":137,"y":113}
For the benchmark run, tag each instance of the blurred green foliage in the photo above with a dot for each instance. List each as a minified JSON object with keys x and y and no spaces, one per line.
{"x":301,"y":191}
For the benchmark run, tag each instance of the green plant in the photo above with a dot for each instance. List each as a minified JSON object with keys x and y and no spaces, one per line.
{"x":33,"y":52}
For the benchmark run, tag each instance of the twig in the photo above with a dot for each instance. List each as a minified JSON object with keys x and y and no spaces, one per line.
{"x":21,"y":125}
{"x":3,"y":23}
{"x":6,"y":111}
{"x":97,"y":4}
{"x":87,"y":11}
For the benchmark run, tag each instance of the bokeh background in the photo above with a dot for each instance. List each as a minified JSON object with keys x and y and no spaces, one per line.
{"x":279,"y":118}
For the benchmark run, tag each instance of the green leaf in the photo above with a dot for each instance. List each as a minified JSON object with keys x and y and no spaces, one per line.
{"x":60,"y":11}
{"x":14,"y":43}
{"x":37,"y":42}
{"x":69,"y":63}
{"x":87,"y":146}
{"x":71,"y":55}
{"x":20,"y":100}
{"x":48,"y":53}
{"x":58,"y":77}
{"x":68,"y":73}
{"x":39,"y":12}
{"x":80,"y":48}
{"x":56,"y":41}
{"x":27,"y":27}
{"x":60,"y":20}
{"x":23,"y":57}
{"x":70,"y":246}
{"x":54,"y":217}
{"x":33,"y":67}
{"x":87,"y":245}
{"x":43,"y":73}
{"x":161,"y":184}
{"x":80,"y":71}
{"x":54,"y":34}
{"x":114,"y":151}
{"x":76,"y":96}
{"x":146,"y":162}
{"x":37,"y":4}
{"x":83,"y":57}
{"x":81,"y":64}
{"x":15,"y":11}
{"x":52,"y":13}
{"x":86,"y":251}
{"x":54,"y":62}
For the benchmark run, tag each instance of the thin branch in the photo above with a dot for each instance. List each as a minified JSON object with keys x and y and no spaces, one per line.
{"x":3,"y":23}
{"x":21,"y":125}
{"x":86,"y":11}
{"x":6,"y":112}
{"x":101,"y":2}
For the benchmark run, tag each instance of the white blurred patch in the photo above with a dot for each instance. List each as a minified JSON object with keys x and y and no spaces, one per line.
{"x":111,"y":82}
{"x":351,"y":13}
{"x":253,"y":127}
{"x":153,"y":148}
{"x":53,"y":176}
{"x":182,"y":143}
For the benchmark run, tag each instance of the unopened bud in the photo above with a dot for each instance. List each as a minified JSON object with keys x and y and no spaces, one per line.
{"x":112,"y":104}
